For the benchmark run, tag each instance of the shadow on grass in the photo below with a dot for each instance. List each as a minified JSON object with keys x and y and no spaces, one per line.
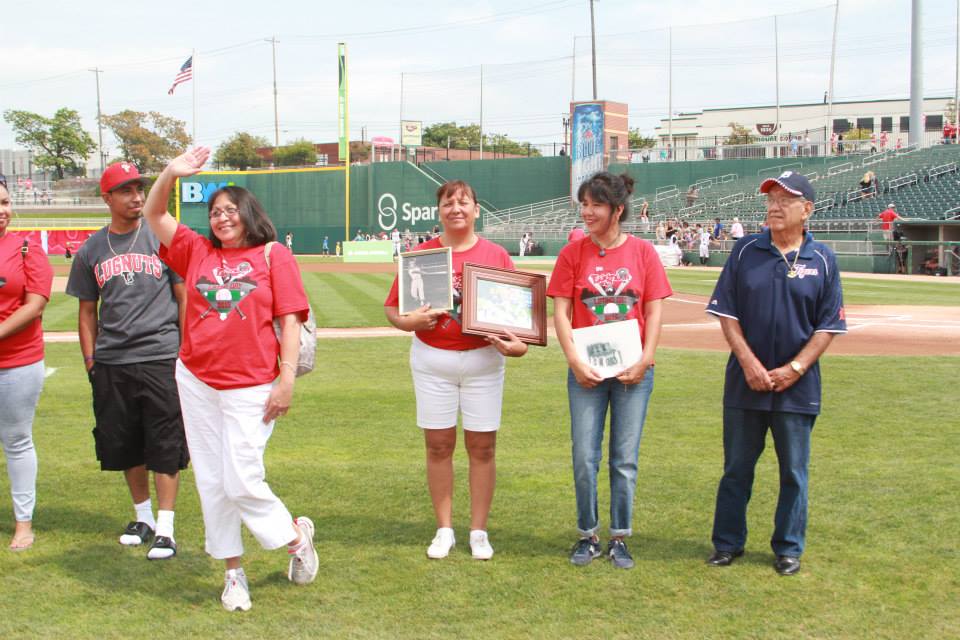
{"x":110,"y":566}
{"x":68,"y":520}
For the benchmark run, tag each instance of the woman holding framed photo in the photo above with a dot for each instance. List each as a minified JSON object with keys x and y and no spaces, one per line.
{"x":455,"y":373}
{"x":609,"y":276}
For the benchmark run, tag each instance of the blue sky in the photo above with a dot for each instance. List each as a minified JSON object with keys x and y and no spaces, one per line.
{"x":723,"y":54}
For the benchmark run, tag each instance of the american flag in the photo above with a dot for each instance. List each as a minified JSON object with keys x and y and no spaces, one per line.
{"x":185,"y":73}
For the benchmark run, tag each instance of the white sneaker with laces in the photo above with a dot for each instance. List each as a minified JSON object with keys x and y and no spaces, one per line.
{"x":442,"y":543}
{"x":480,"y":545}
{"x":236,"y":593}
{"x":304,"y":562}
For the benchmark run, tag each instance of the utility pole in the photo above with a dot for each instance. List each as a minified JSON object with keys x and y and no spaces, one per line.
{"x":956,"y":85}
{"x":573,"y":71}
{"x":827,"y":132}
{"x":566,"y":125}
{"x":481,"y":112}
{"x":593,"y":46}
{"x":276,"y":118}
{"x":400,"y":139}
{"x":97,"y":71}
{"x":776,"y":55}
{"x":670,"y":94}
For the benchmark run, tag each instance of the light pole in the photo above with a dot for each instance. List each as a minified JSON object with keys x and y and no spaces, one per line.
{"x":97,"y":72}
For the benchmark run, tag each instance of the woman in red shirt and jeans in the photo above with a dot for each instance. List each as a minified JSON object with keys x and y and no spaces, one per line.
{"x":608,"y":276}
{"x":25,"y":282}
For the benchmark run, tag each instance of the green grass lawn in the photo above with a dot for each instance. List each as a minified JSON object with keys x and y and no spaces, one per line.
{"x":356,"y":299}
{"x":855,"y":290}
{"x":881,"y":560}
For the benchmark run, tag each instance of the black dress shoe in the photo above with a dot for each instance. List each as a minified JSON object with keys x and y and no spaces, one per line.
{"x":723,"y":558}
{"x":787,"y":565}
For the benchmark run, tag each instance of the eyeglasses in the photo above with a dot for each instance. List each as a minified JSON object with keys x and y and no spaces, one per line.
{"x":230,"y":212}
{"x":785,"y":201}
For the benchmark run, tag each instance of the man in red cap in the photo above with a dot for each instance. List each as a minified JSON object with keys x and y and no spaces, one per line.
{"x":129,"y":325}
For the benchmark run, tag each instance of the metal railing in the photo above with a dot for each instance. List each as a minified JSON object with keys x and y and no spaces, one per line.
{"x":902,"y":181}
{"x":837,"y":169}
{"x":942,"y":169}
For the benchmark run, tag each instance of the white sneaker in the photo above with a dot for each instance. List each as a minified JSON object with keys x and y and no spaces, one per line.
{"x":236,"y":593}
{"x":304,"y":563}
{"x":480,"y":545}
{"x":442,"y":543}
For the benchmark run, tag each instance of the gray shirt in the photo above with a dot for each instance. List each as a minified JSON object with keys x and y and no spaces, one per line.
{"x":137,"y":319}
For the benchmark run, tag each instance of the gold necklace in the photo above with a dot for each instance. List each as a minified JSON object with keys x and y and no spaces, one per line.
{"x":791,"y":268}
{"x":603,"y":249}
{"x":130,"y":248}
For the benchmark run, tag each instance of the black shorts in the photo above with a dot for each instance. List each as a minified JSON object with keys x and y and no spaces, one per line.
{"x":138,"y":417}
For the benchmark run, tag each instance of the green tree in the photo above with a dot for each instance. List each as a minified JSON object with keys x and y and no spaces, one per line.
{"x":240,"y":151}
{"x":149,"y":140}
{"x":468,"y":136}
{"x":639,"y":141}
{"x":438,"y":135}
{"x":857,"y":134}
{"x":58,"y":143}
{"x":293,"y":154}
{"x":739,"y":134}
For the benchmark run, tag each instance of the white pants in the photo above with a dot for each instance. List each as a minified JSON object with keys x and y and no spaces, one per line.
{"x":448,"y":382}
{"x":227,"y":437}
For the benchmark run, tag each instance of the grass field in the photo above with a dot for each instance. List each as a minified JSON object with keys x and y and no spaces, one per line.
{"x":881,"y":559}
{"x":356,"y":299}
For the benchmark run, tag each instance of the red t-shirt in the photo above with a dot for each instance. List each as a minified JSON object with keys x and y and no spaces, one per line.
{"x":887,"y":216}
{"x":232,"y":298}
{"x":21,"y":275}
{"x":609,"y":288}
{"x":448,"y":333}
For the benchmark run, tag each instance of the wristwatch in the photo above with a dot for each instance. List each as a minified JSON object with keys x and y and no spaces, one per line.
{"x":796,"y":366}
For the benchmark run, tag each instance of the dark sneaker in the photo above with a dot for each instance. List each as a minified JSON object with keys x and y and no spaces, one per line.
{"x":618,"y":554}
{"x":163,"y":548}
{"x":585,"y":551}
{"x":136,"y":533}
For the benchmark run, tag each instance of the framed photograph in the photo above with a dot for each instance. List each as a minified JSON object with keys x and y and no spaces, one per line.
{"x":500,"y":300}
{"x":609,"y":348}
{"x":425,"y":277}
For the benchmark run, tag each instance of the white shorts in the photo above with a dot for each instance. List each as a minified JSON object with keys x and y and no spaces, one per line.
{"x":447,"y":381}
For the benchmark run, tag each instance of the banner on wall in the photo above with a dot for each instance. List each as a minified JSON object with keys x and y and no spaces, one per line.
{"x":411,"y":133}
{"x":586,"y":145}
{"x":342,"y":100}
{"x":368,"y":251}
{"x":55,"y":242}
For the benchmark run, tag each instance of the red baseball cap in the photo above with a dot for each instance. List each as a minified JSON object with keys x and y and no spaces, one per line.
{"x":119,"y":174}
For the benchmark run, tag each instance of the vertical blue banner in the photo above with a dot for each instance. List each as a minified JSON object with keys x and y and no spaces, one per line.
{"x":586,"y":145}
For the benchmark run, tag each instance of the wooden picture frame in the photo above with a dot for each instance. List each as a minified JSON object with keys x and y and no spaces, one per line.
{"x":499,"y":300}
{"x":425,"y":277}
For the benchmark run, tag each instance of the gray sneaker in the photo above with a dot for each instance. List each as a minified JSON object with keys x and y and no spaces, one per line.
{"x":585,"y":551}
{"x":618,"y":554}
{"x":304,"y":563}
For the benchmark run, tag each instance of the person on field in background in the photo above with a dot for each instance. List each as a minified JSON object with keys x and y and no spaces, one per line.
{"x":130,"y":307}
{"x":780,"y":305}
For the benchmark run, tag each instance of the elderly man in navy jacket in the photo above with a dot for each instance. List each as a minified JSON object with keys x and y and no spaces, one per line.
{"x":780,"y":304}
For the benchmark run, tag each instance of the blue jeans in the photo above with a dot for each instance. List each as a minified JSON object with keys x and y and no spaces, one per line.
{"x":588,"y":412}
{"x":744,"y":433}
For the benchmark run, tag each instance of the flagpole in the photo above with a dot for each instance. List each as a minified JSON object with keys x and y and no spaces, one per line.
{"x":193,"y":57}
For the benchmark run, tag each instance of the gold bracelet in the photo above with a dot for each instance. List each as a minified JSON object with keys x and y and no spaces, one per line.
{"x":284,"y":363}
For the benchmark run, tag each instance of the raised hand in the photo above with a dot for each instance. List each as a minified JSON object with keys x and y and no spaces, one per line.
{"x":189,"y":163}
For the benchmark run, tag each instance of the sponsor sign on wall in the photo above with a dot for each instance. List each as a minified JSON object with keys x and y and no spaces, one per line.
{"x":411,"y":133}
{"x":586,"y":141}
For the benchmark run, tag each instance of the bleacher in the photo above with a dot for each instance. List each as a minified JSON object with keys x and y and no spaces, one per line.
{"x":924,"y":184}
